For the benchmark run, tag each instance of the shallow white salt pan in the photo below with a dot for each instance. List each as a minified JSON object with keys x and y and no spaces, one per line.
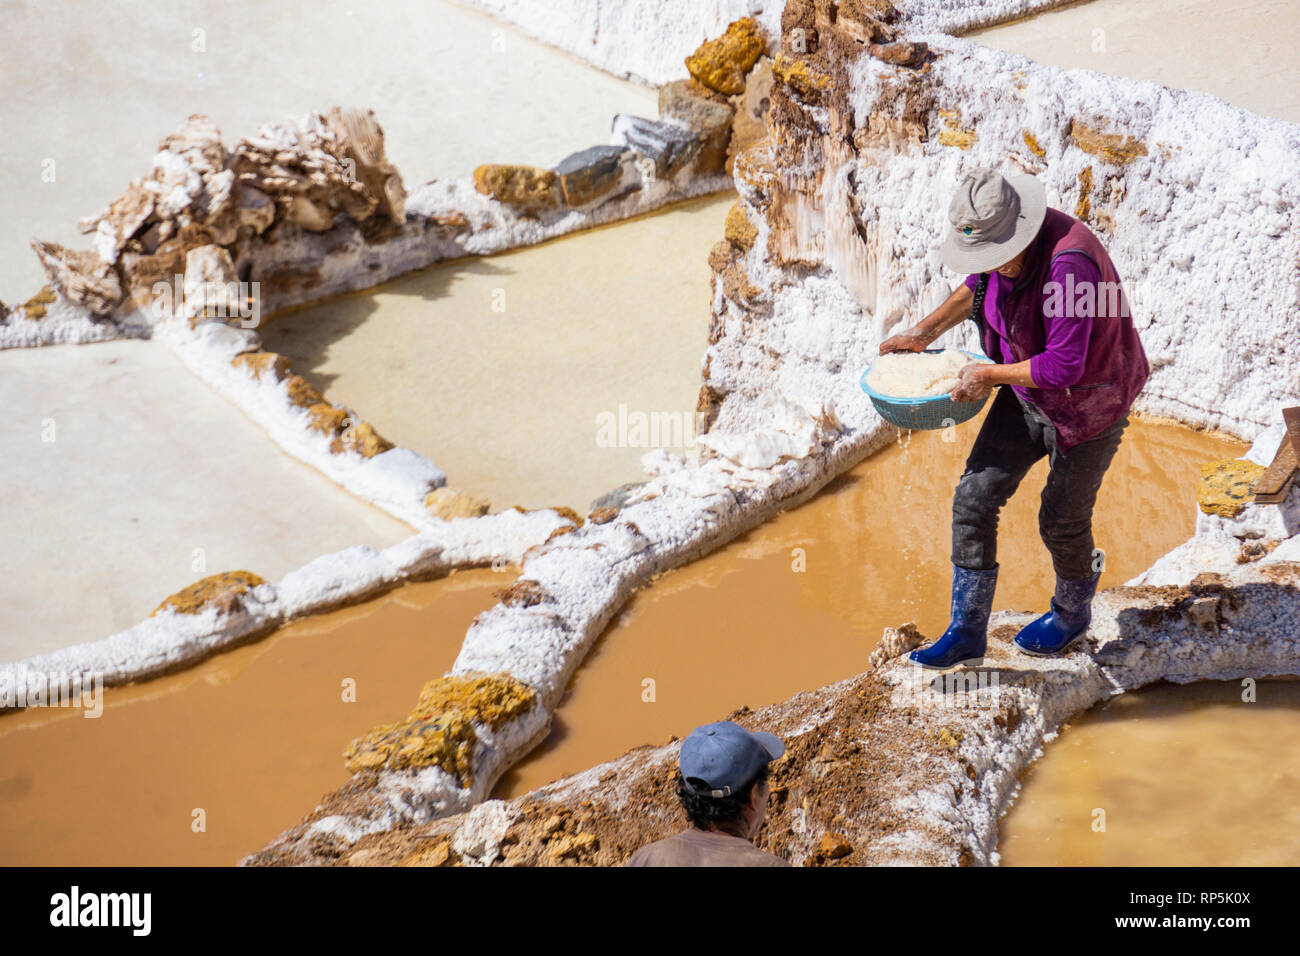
{"x":1246,"y":52}
{"x":147,"y":466}
{"x":451,"y":87}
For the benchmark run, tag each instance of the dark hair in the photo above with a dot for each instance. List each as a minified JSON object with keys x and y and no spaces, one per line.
{"x":704,"y":810}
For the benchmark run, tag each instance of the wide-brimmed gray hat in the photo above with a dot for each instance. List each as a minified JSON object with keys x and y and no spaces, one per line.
{"x":992,"y":218}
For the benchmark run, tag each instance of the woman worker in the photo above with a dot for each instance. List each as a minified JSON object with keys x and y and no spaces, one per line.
{"x":1054,"y":319}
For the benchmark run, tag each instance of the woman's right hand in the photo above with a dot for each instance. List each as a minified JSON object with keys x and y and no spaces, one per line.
{"x":904,"y":342}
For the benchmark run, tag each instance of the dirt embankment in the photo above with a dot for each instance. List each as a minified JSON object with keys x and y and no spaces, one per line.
{"x":847,"y":754}
{"x":855,"y":750}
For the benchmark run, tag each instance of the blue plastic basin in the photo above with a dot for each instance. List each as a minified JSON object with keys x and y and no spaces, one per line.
{"x":924,"y":414}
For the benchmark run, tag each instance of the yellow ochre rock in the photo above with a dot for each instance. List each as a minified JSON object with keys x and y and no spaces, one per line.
{"x":439,"y":732}
{"x":529,"y":188}
{"x":953,"y":134}
{"x":360,"y":438}
{"x":263,"y":364}
{"x":1112,"y":147}
{"x":834,"y":846}
{"x":739,"y":230}
{"x":302,"y":393}
{"x":722,"y":254}
{"x":800,"y":75}
{"x":948,"y":737}
{"x":1227,"y":486}
{"x":221,"y":591}
{"x":448,"y":503}
{"x":1032,"y":142}
{"x":721,"y":64}
{"x":737,"y":286}
{"x":574,"y":846}
{"x":326,"y":418}
{"x":1083,"y":208}
{"x":437,"y":855}
{"x":35,"y":306}
{"x":566,"y":512}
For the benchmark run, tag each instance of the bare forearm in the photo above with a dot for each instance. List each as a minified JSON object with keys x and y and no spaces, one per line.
{"x":954,"y":309}
{"x":950,"y":313}
{"x":1016,"y":374}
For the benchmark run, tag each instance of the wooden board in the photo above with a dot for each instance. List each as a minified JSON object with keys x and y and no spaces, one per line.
{"x":1277,"y":479}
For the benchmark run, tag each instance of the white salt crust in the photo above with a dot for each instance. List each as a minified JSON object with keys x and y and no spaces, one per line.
{"x":646,"y":41}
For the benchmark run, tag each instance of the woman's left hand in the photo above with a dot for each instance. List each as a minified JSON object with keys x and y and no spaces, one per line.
{"x":974,"y":384}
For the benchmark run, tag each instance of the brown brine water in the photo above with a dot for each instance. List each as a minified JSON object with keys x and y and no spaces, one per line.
{"x":1199,"y":775}
{"x":251,"y":738}
{"x":254,"y":736}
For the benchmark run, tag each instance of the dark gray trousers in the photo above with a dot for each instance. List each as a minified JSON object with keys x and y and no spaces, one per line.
{"x":1013,"y":437}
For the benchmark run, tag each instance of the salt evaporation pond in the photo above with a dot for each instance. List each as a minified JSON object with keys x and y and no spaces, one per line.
{"x":502,"y":369}
{"x":1250,"y":60}
{"x":743,"y":627}
{"x":1167,"y":776}
{"x":252,"y":737}
{"x":738,"y":627}
{"x":1247,"y":58}
{"x":451,"y":87}
{"x":127,"y":479}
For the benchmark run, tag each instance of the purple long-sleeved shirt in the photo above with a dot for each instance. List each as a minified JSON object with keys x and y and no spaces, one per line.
{"x":1062,"y":361}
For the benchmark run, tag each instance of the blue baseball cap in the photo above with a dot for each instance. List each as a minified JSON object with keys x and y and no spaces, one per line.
{"x":726,"y":756}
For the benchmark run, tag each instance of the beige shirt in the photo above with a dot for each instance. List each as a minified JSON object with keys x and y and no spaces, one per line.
{"x":697,"y":847}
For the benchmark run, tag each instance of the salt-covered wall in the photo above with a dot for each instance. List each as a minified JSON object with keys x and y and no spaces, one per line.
{"x":1197,"y":202}
{"x":643,"y":40}
{"x":958,"y":16}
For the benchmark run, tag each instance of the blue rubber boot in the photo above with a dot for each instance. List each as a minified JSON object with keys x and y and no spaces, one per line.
{"x":1065,"y":623}
{"x":967,"y":636}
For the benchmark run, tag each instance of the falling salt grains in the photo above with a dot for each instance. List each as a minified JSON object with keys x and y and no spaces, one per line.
{"x":905,"y":444}
{"x":910,"y":559}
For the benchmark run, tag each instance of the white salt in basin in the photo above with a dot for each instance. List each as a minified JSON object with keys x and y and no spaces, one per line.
{"x":917,"y":374}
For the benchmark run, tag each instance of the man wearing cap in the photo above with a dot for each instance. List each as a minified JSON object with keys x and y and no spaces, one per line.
{"x":722,"y":783}
{"x":1053,"y":317}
